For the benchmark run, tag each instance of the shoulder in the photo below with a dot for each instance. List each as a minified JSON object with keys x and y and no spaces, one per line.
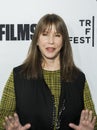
{"x":81,"y":74}
{"x":17,"y":68}
{"x":17,"y":71}
{"x":81,"y":78}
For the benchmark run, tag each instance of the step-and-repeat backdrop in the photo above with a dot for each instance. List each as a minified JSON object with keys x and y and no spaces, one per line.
{"x":18,"y":19}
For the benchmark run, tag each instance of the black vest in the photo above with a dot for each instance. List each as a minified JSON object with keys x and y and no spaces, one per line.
{"x":35,"y":103}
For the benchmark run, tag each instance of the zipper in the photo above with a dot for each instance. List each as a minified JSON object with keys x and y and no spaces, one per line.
{"x":56,"y":122}
{"x":59,"y":115}
{"x":54,"y":112}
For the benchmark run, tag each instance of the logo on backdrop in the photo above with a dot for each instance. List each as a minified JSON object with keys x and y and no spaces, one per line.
{"x":12,"y":32}
{"x":23,"y":32}
{"x":87,"y":32}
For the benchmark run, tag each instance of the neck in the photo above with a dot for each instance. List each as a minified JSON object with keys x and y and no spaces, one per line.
{"x":51,"y":65}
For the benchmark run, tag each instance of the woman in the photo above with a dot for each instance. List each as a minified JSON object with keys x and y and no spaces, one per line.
{"x":48,"y":91}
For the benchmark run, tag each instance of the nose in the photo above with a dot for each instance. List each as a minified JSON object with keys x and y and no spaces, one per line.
{"x":51,"y":39}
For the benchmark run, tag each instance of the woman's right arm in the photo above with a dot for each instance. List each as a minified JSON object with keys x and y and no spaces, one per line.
{"x":8,"y":102}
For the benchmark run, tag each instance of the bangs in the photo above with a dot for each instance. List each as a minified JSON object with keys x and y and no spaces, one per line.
{"x":47,"y":26}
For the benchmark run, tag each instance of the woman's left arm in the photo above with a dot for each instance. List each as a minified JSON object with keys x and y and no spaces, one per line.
{"x":88,"y":102}
{"x":87,"y":121}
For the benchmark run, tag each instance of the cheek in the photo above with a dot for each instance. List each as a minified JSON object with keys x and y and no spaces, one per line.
{"x":41,"y":42}
{"x":60,"y":45}
{"x":41,"y":46}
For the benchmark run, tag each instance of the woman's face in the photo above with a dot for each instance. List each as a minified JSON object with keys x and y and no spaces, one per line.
{"x":50,"y":43}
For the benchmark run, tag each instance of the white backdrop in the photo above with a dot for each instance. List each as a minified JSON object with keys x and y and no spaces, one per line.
{"x":80,"y":17}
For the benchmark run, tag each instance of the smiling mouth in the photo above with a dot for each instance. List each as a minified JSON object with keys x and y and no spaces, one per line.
{"x":50,"y":49}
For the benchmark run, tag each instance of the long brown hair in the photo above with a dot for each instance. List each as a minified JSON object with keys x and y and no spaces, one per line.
{"x":32,"y":65}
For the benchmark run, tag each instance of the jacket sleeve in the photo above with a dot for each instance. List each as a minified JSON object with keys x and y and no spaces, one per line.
{"x":88,"y":102}
{"x":7,"y":103}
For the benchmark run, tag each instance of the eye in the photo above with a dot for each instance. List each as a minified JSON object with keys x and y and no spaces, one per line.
{"x":58,"y":35}
{"x":44,"y":34}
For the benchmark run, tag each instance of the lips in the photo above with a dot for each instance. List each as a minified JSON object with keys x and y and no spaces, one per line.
{"x":50,"y":49}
